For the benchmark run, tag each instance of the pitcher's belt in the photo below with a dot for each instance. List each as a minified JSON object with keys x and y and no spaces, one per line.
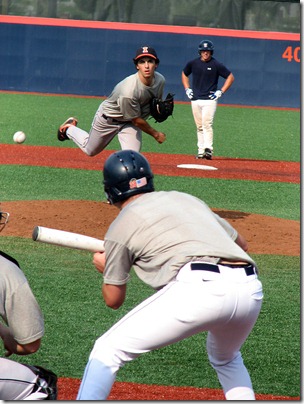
{"x":112,"y":119}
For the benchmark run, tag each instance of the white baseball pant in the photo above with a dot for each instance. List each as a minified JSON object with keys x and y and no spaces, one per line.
{"x":225,"y":304}
{"x":203,"y":113}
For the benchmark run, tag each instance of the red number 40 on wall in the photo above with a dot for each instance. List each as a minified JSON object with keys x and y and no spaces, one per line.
{"x":292,"y":54}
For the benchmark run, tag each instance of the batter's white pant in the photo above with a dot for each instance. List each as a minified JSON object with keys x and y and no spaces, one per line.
{"x":225,"y":304}
{"x":17,"y":382}
{"x":203,"y":113}
{"x":103,"y":132}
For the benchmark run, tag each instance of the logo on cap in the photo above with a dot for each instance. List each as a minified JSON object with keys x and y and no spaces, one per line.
{"x":146,"y":51}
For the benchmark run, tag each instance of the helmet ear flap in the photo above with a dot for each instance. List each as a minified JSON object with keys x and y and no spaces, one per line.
{"x":112,"y":194}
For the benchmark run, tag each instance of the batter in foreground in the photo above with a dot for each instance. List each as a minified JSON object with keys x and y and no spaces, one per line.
{"x":197,"y":264}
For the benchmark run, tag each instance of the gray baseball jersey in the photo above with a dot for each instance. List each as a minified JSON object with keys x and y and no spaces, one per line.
{"x":131,"y":98}
{"x":148,"y":236}
{"x":18,"y":306}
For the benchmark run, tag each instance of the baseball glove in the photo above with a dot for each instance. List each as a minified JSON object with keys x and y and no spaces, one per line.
{"x":160,"y":110}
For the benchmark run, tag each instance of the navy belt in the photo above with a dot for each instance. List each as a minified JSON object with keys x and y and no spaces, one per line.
{"x":202,"y":266}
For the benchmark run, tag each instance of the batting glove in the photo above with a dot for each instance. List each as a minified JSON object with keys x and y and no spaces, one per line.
{"x":189,"y":93}
{"x":215,"y":96}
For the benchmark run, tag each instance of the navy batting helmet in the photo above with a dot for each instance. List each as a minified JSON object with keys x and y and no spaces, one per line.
{"x":126,"y":173}
{"x":205,"y":45}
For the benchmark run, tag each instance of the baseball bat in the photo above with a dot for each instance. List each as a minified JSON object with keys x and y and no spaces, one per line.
{"x":67,"y":239}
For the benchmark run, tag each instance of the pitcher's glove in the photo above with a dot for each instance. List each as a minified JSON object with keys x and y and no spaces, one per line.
{"x":160,"y":110}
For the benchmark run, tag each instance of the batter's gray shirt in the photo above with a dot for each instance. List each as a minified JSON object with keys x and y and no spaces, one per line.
{"x":159,"y":232}
{"x":131,"y":98}
{"x":18,"y":306}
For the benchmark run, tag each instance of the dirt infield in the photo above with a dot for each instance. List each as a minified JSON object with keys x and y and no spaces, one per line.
{"x":162,"y":164}
{"x":259,"y":230}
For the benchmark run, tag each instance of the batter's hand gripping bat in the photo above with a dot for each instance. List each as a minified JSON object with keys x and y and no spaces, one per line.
{"x":67,"y":239}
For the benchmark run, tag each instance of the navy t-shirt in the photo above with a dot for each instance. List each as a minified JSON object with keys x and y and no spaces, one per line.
{"x":205,"y":76}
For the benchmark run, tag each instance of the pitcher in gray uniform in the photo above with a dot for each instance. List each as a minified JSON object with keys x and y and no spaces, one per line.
{"x":21,"y":332}
{"x":124,"y":112}
{"x":198,"y":265}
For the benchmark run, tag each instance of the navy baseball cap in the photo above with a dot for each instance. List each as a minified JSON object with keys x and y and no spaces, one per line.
{"x":146,"y":51}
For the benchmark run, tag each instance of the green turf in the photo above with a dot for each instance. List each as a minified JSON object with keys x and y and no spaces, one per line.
{"x":238,"y":132}
{"x":267,"y":198}
{"x":68,"y":287}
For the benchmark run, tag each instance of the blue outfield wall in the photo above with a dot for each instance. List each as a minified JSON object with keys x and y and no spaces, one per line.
{"x":90,"y":61}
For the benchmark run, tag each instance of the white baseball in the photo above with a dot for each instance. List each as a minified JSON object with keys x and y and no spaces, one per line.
{"x":19,"y":137}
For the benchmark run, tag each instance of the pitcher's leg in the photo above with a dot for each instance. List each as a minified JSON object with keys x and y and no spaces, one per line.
{"x":91,"y":143}
{"x":130,"y":138}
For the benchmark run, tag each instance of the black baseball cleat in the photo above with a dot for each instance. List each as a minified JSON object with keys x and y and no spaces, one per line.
{"x":200,"y":156}
{"x":46,"y":382}
{"x":61,"y":134}
{"x":208,"y":154}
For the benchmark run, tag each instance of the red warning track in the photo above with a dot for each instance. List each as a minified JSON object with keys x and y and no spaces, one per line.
{"x":162,"y":164}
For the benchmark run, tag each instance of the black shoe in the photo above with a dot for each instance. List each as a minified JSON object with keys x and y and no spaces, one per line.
{"x":200,"y":156}
{"x":208,"y":154}
{"x":46,"y":382}
{"x":61,"y":134}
